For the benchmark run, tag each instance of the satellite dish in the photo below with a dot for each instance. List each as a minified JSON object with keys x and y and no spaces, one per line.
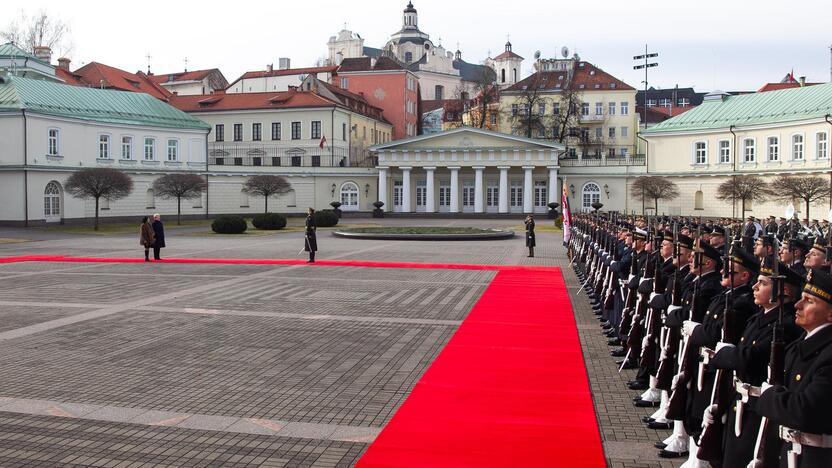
{"x":536,"y":54}
{"x":564,"y":51}
{"x":790,"y":211}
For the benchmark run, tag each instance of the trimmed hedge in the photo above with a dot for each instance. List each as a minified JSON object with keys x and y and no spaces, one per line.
{"x":326,"y":218}
{"x":269,"y":221}
{"x":559,"y":222}
{"x":229,"y":225}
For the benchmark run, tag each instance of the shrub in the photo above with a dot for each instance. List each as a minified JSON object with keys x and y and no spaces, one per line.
{"x":269,"y":221}
{"x":559,"y":222}
{"x":229,"y":225}
{"x":326,"y":218}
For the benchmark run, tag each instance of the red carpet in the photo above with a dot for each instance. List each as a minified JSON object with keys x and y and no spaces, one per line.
{"x":508,"y":390}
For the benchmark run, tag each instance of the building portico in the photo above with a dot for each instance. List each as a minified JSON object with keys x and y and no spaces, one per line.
{"x":468,"y":170}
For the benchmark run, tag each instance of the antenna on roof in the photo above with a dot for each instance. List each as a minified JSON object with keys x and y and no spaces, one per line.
{"x":148,"y":63}
{"x":186,"y":64}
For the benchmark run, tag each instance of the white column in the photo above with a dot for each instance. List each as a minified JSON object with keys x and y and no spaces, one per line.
{"x":478,"y":204}
{"x":502,"y":206}
{"x":553,"y":184}
{"x":430,"y":205}
{"x":382,"y":187}
{"x":528,"y":190}
{"x":454,"y":189}
{"x":405,"y":189}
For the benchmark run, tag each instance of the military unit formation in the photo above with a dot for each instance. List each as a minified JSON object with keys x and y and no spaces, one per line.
{"x":727,"y":327}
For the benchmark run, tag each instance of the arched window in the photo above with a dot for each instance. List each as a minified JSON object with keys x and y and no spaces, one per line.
{"x":591,"y":193}
{"x":150,"y":199}
{"x":514,"y":78}
{"x":699,"y":201}
{"x":349,"y":197}
{"x":52,"y":202}
{"x":408,"y":57}
{"x":503,"y":75}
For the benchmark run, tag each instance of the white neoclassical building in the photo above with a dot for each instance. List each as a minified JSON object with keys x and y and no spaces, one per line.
{"x":468,"y":170}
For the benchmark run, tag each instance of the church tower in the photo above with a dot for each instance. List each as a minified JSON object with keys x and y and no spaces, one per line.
{"x":508,"y":67}
{"x":410,"y":20}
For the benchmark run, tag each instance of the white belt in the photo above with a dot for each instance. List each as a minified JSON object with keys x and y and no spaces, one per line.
{"x":747,"y":390}
{"x":804,"y":438}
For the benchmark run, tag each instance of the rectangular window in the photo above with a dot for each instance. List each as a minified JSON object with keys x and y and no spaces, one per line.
{"x":773,"y":148}
{"x":493,"y":119}
{"x":256,"y":131}
{"x":467,"y":195}
{"x":52,"y":142}
{"x":296,"y":161}
{"x":683,"y":102}
{"x":797,"y":147}
{"x":625,"y":108}
{"x":541,"y":132}
{"x":724,"y":151}
{"x":651,"y":103}
{"x":316,"y":130}
{"x":444,"y":195}
{"x":599,"y":108}
{"x":344,"y":131}
{"x":173,"y":150}
{"x":238,"y":132}
{"x":822,"y":148}
{"x":612,"y":132}
{"x":492,"y":195}
{"x":541,"y":193}
{"x":514,"y":108}
{"x":541,"y":108}
{"x":516,"y":196}
{"x":700,"y":153}
{"x":219,"y":132}
{"x":276,"y":130}
{"x":556,"y":108}
{"x":421,"y":193}
{"x":397,"y":192}
{"x":104,"y":147}
{"x":748,"y":150}
{"x":439,"y":92}
{"x":584,"y":108}
{"x":345,"y":83}
{"x":296,"y":130}
{"x":665,"y":102}
{"x":625,"y":132}
{"x":126,"y":147}
{"x":149,"y":149}
{"x":599,"y":133}
{"x":611,"y":108}
{"x":316,"y":161}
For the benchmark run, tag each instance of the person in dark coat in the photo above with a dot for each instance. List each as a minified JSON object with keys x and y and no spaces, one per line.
{"x":159,"y":233}
{"x":530,"y":234}
{"x":146,"y":237}
{"x":311,"y":242}
{"x":802,"y":407}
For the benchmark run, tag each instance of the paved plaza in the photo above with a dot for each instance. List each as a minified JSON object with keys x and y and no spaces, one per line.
{"x":164,"y":364}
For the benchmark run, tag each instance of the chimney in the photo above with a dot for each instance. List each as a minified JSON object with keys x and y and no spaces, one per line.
{"x":269,"y":68}
{"x":802,"y":81}
{"x":283,"y":63}
{"x":44,"y":53}
{"x":63,"y":63}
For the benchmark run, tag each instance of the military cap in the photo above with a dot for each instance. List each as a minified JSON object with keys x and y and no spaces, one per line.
{"x":719,"y":230}
{"x":706,"y":229}
{"x":741,"y":257}
{"x":819,"y":284}
{"x":709,"y":251}
{"x":800,"y":243}
{"x":782,"y":218}
{"x":767,"y":240}
{"x":820,"y":244}
{"x":639,"y":234}
{"x":772,"y":217}
{"x":790,"y":276}
{"x":685,"y":241}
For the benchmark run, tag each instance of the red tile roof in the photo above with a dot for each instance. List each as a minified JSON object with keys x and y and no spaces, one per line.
{"x":195,"y":75}
{"x":69,"y":77}
{"x":508,"y":54}
{"x":358,"y":64}
{"x":96,"y":75}
{"x":286,"y":72}
{"x":779,"y":86}
{"x":586,"y":77}
{"x":670,"y":111}
{"x":250,"y":101}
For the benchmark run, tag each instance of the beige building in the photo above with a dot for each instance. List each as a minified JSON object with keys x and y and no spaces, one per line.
{"x":765,"y":134}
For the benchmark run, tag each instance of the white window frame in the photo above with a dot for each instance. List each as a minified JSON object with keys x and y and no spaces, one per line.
{"x":444,"y":195}
{"x":128,"y":146}
{"x":345,"y":83}
{"x":541,"y":192}
{"x":105,"y":141}
{"x":57,"y":141}
{"x":151,"y":146}
{"x":599,"y":132}
{"x":590,"y":194}
{"x":724,"y":157}
{"x":611,"y":108}
{"x":299,"y":130}
{"x":515,"y":199}
{"x":584,"y":109}
{"x":599,"y":108}
{"x":175,"y":148}
{"x":625,"y":108}
{"x":695,"y":155}
{"x":752,"y":147}
{"x":822,"y":146}
{"x":256,"y":131}
{"x":315,"y":129}
{"x":612,"y":133}
{"x":625,"y":132}
{"x":775,"y":146}
{"x":798,"y":154}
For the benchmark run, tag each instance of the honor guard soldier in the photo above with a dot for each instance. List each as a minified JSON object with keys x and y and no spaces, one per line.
{"x":771,"y":226}
{"x":792,"y":253}
{"x":802,"y":407}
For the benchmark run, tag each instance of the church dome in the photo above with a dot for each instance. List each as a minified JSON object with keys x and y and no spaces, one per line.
{"x":410,"y":8}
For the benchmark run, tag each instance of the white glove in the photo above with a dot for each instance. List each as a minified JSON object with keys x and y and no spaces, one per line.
{"x":672,"y":308}
{"x":708,"y":415}
{"x":645,"y":341}
{"x":688,"y":327}
{"x":765,"y":386}
{"x":722,"y":345}
{"x":663,"y":354}
{"x":675,"y":381}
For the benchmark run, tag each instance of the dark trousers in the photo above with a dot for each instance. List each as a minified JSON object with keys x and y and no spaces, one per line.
{"x":156,"y":251}
{"x":146,"y":253}
{"x":311,"y":255}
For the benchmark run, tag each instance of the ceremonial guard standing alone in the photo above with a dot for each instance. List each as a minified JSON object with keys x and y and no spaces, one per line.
{"x":530,"y":241}
{"x":310,"y":238}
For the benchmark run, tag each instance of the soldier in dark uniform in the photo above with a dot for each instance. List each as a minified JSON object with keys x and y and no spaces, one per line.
{"x":717,"y":239}
{"x":311,"y":241}
{"x":621,"y":269}
{"x":640,"y":257}
{"x":816,"y":258}
{"x":771,"y":226}
{"x":530,"y":234}
{"x":764,"y":247}
{"x":792,"y":253}
{"x":802,"y":407}
{"x":749,"y":232}
{"x":749,"y":359}
{"x":782,"y":229}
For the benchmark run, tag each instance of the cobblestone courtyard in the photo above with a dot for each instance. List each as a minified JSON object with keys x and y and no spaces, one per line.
{"x":134,"y":364}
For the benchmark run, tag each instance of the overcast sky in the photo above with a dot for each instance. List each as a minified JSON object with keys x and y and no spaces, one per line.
{"x":728,"y":44}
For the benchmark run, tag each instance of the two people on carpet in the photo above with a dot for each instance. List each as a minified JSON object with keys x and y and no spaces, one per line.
{"x":152,"y":235}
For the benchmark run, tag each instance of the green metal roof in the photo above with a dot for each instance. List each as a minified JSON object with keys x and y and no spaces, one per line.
{"x":98,"y":105}
{"x":9,"y":50}
{"x":772,"y":107}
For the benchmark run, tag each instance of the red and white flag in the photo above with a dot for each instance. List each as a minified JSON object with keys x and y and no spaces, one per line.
{"x":323,"y":142}
{"x":567,"y":217}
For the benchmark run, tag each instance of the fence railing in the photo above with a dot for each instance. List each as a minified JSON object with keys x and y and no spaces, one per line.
{"x":289,"y":156}
{"x":600,"y":161}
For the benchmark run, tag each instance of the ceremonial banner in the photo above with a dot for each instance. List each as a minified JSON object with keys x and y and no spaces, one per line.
{"x":567,"y":217}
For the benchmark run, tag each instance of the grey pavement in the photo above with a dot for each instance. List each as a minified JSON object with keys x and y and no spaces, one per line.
{"x":160,"y":364}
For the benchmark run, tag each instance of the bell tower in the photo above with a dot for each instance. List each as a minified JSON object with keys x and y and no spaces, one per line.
{"x":410,"y":20}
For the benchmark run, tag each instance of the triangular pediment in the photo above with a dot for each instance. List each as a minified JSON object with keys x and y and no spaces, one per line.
{"x":467,"y":137}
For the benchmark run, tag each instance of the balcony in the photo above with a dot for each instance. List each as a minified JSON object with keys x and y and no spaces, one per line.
{"x":246,"y":154}
{"x":602,"y":161}
{"x":592,"y":118}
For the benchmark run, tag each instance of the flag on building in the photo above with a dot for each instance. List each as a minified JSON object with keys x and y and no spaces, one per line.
{"x":323,"y":142}
{"x":567,"y":217}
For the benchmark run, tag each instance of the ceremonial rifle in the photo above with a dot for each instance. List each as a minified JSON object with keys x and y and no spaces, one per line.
{"x":664,"y":373}
{"x":653,"y":325}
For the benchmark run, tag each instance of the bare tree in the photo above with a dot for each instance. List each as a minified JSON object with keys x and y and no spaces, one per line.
{"x":653,"y":188}
{"x":41,"y":29}
{"x":485,"y":100}
{"x":179,"y":186}
{"x":568,"y":113}
{"x":743,"y":188}
{"x":525,"y":117}
{"x":99,"y":182}
{"x":266,"y":186}
{"x":810,"y":189}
